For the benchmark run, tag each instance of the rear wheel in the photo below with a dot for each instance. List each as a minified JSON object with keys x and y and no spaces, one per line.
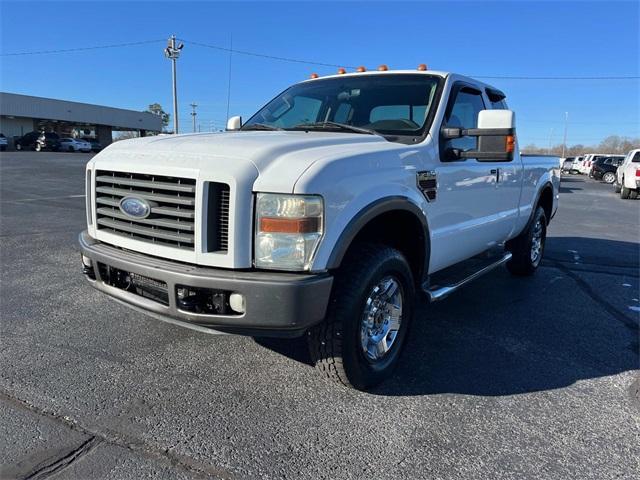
{"x":38,"y":147}
{"x":616,"y":186}
{"x":528,"y":247}
{"x":609,"y":177}
{"x":369,"y":314}
{"x":624,"y":192}
{"x":633,"y":194}
{"x":18,"y":147}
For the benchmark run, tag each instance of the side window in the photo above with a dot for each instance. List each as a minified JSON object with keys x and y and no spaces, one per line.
{"x":636,"y":158}
{"x":608,"y":161}
{"x":464,"y":114}
{"x":497,"y":99}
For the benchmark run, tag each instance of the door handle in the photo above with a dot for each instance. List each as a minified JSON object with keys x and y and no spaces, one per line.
{"x":496,"y":172}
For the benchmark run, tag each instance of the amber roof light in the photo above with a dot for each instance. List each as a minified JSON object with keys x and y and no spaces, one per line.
{"x":341,"y":71}
{"x":383,"y":68}
{"x":422,"y":67}
{"x":361,"y":69}
{"x":314,"y":75}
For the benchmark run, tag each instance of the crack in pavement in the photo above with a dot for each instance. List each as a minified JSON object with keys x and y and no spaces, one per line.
{"x":64,"y":461}
{"x":118,"y":439}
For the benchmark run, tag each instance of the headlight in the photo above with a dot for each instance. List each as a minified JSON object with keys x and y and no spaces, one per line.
{"x":288,"y":230}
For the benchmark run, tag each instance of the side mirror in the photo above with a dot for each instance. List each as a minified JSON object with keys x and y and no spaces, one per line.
{"x":234,"y":123}
{"x":496,"y":137}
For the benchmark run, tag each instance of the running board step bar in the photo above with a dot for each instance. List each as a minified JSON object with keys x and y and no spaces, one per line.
{"x":439,"y":291}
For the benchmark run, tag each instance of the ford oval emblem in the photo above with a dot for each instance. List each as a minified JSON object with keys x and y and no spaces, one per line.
{"x":135,"y":207}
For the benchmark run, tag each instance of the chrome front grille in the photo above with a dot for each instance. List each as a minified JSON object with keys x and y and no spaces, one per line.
{"x":171,"y":221}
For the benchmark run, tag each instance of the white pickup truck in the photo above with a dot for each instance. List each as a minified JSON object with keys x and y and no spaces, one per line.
{"x":324,"y":214}
{"x":627,"y":182}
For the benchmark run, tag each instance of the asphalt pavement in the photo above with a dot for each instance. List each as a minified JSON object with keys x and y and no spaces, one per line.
{"x":508,"y":378}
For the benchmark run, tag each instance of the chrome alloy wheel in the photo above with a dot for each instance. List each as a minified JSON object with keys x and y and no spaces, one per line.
{"x":536,"y":242}
{"x":381,"y":319}
{"x":609,"y":177}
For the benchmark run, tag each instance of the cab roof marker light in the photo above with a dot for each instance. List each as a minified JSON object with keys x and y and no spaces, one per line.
{"x":383,"y":68}
{"x":313,"y":75}
{"x":341,"y":71}
{"x":422,"y":67}
{"x":361,"y":69}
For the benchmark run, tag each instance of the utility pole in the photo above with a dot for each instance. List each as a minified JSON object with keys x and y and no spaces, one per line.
{"x":193,"y":114}
{"x":550,"y":137}
{"x":172,"y":52}
{"x":564,"y":141}
{"x":229,"y":79}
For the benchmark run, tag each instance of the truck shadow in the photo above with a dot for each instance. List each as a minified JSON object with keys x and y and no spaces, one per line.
{"x":504,"y":335}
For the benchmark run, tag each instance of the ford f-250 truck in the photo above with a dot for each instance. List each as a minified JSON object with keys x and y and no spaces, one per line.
{"x":322,"y":215}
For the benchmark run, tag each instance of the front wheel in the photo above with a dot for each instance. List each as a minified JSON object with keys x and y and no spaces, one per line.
{"x":528,"y":247}
{"x":18,"y":147}
{"x":609,"y":177}
{"x":38,"y":147}
{"x":371,"y":307}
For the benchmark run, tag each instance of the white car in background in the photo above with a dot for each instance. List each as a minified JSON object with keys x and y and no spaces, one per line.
{"x":68,"y":144}
{"x":628,"y":176}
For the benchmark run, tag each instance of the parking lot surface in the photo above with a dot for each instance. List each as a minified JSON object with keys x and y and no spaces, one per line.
{"x":509,"y":378}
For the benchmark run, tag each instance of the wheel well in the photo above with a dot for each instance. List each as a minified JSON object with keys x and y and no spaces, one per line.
{"x":401,"y":230}
{"x":546,"y":202}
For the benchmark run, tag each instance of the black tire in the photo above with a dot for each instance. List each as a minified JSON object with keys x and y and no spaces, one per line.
{"x":616,"y":186}
{"x":18,"y":147}
{"x":522,"y":262}
{"x":609,"y":177}
{"x":38,"y":147}
{"x":336,"y":345}
{"x":633,"y":194}
{"x":624,"y":192}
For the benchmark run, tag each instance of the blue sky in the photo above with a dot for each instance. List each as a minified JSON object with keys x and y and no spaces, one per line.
{"x":474,"y":38}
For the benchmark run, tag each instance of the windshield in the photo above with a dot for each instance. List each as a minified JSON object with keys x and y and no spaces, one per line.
{"x":386,"y":104}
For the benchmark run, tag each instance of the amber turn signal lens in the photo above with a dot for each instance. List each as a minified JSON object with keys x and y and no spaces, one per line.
{"x":511,"y":143}
{"x":341,"y":71}
{"x":314,"y":75}
{"x":289,"y":225}
{"x":383,"y":68}
{"x":422,"y":67}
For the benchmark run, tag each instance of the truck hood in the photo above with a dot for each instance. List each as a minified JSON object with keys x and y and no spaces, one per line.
{"x":278,"y":157}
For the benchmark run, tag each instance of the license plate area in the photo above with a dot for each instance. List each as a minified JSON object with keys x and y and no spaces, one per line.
{"x":135,"y":283}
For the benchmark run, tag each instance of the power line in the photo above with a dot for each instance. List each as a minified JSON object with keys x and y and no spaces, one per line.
{"x":308,"y":62}
{"x":262,"y":55}
{"x":80,"y":49}
{"x":631,"y":77}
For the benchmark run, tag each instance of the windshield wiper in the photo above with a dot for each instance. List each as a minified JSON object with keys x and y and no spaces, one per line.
{"x":333,"y":125}
{"x":260,"y":126}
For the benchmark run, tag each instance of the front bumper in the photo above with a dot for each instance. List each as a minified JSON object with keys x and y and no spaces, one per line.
{"x":276,"y":304}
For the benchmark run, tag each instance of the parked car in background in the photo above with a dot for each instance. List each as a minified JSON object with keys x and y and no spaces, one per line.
{"x":38,"y":141}
{"x":96,"y":146}
{"x":601,"y":158}
{"x":577,"y":164}
{"x":68,"y":144}
{"x":604,"y":168}
{"x":567,"y":165}
{"x":3,"y":142}
{"x":627,"y":181}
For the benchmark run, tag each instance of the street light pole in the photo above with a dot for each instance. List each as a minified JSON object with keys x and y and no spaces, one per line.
{"x":172,"y":52}
{"x":193,"y":115}
{"x":564,"y":141}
